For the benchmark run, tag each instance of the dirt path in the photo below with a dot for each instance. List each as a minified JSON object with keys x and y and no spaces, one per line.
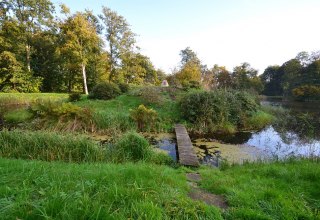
{"x":201,"y":195}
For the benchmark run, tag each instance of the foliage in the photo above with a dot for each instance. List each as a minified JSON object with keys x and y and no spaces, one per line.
{"x":293,"y":77}
{"x":79,"y":41}
{"x":219,"y":109}
{"x":132,"y":147}
{"x":120,"y":39}
{"x":307,"y":92}
{"x":272,"y":79}
{"x":12,"y":76}
{"x":144,"y":117}
{"x":246,"y":78}
{"x":49,"y":147}
{"x":124,"y":87}
{"x":105,"y":91}
{"x":73,"y":97}
{"x":275,"y":190}
{"x":189,"y":72}
{"x":189,"y":56}
{"x":151,"y":95}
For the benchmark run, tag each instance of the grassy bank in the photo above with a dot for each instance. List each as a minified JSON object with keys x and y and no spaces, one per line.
{"x":40,"y":190}
{"x":279,"y":190}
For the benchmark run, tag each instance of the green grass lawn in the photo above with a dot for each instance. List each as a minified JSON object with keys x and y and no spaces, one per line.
{"x":41,"y":190}
{"x":279,"y":190}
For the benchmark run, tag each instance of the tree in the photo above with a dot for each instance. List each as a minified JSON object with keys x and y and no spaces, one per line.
{"x":32,"y":16}
{"x":120,"y":38}
{"x":12,"y":76}
{"x":190,"y":68}
{"x":46,"y":62}
{"x":79,"y":41}
{"x":190,"y":72}
{"x":304,"y":58}
{"x":292,"y":71}
{"x":272,"y":79}
{"x":188,"y":55}
{"x":246,"y":78}
{"x":217,"y":77}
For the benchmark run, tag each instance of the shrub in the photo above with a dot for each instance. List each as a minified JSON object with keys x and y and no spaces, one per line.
{"x":105,"y":91}
{"x":49,"y":147}
{"x":124,"y":87}
{"x":73,"y":97}
{"x":151,"y":95}
{"x":218,"y":110}
{"x":132,"y":147}
{"x":145,"y":118}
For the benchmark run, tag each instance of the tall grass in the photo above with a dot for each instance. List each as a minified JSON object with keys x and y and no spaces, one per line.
{"x":49,"y":147}
{"x":40,"y":190}
{"x":132,"y":147}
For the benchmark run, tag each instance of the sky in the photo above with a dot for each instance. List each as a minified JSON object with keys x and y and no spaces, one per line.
{"x":223,"y":32}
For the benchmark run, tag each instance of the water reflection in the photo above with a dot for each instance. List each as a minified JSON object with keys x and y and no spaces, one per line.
{"x":285,"y":144}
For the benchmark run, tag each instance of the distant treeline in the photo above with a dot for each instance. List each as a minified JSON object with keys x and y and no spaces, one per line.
{"x":298,"y":77}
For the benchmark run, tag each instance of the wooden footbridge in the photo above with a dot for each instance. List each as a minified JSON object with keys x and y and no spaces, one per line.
{"x":186,"y":153}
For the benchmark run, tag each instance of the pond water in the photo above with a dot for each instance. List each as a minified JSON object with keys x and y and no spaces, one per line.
{"x":271,"y":142}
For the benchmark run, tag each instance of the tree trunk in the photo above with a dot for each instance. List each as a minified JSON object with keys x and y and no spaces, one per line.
{"x":28,"y":57}
{"x":84,"y":79}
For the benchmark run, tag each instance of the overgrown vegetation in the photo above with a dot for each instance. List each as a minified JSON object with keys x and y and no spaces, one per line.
{"x":223,"y":111}
{"x":131,"y":147}
{"x":49,"y":146}
{"x":145,"y":118}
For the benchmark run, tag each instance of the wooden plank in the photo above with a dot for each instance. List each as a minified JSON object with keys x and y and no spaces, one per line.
{"x":187,"y":155}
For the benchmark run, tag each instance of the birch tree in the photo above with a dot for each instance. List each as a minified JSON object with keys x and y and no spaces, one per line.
{"x":79,"y":41}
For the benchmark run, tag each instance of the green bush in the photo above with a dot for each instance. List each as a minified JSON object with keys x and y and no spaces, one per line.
{"x":105,"y":91}
{"x":218,"y":110}
{"x":144,"y":117}
{"x":124,"y":87}
{"x":132,"y":147}
{"x":49,"y":147}
{"x":151,"y":95}
{"x":73,"y":97}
